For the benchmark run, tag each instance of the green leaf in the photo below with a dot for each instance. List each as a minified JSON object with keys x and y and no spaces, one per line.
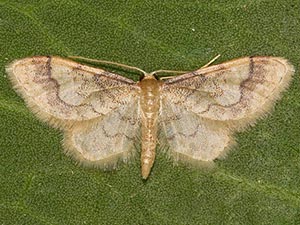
{"x":257,"y":183}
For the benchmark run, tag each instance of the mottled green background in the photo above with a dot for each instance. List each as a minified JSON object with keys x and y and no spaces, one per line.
{"x":258,"y":183}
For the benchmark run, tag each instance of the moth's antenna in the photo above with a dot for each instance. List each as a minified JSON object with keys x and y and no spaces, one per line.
{"x":108,"y":62}
{"x":211,"y":61}
{"x":168,"y":71}
{"x":176,"y":71}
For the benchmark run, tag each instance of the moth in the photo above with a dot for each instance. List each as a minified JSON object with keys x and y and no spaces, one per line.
{"x":104,"y":114}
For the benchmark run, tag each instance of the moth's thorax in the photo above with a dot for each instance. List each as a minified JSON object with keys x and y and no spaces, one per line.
{"x":149,"y":95}
{"x":150,"y":104}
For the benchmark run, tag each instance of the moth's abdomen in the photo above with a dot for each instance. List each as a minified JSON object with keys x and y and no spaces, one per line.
{"x":149,"y":111}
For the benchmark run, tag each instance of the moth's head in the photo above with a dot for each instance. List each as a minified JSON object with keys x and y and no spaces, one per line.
{"x":147,"y":76}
